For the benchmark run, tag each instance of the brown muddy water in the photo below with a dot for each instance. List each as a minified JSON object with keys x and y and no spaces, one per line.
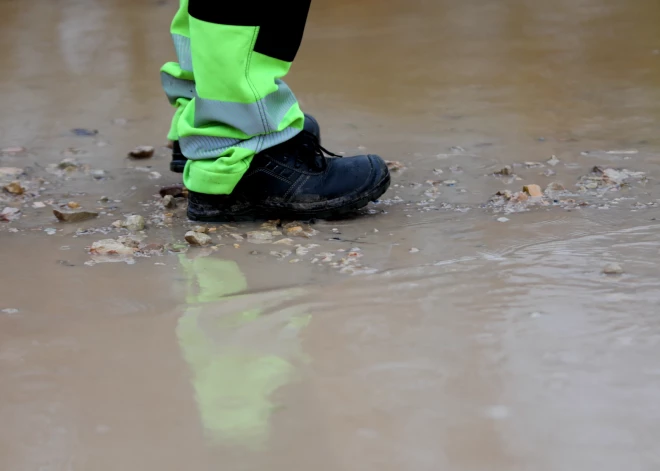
{"x":464,"y":334}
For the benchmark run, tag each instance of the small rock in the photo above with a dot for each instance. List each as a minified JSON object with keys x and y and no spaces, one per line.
{"x":133,"y":223}
{"x":177,"y":191}
{"x":84,"y":132}
{"x":534,"y":165}
{"x":73,"y":205}
{"x":503,"y":219}
{"x":552,"y":161}
{"x":237,"y":246}
{"x":154,"y":175}
{"x":414,"y":250}
{"x":254,"y":252}
{"x":104,"y":199}
{"x":169,"y":202}
{"x":293,"y":230}
{"x":555,"y":186}
{"x":197,"y":238}
{"x":259,"y":237}
{"x":285,"y":241}
{"x":505,"y":171}
{"x":237,"y":237}
{"x":613,"y":269}
{"x":449,"y":182}
{"x":68,"y":164}
{"x":38,"y":205}
{"x":142,"y":152}
{"x":9,"y":214}
{"x":14,"y":188}
{"x":110,"y":247}
{"x":533,"y":190}
{"x":282,"y":254}
{"x":201,"y":229}
{"x":438,"y":171}
{"x":74,"y":216}
{"x":394,"y":165}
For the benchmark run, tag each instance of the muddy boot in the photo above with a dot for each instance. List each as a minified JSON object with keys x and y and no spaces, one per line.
{"x":296,"y":180}
{"x":179,"y":160}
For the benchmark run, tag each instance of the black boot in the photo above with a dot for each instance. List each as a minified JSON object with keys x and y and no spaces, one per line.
{"x":295,"y":180}
{"x":179,"y":160}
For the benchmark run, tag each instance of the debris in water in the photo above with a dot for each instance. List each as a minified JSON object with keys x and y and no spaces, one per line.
{"x":553,"y":161}
{"x":9,"y":214}
{"x":613,"y":269}
{"x":142,"y":152}
{"x":50,"y":231}
{"x":197,"y":238}
{"x":74,"y":216}
{"x":14,"y":188}
{"x":534,"y":165}
{"x":533,"y":190}
{"x":395,"y":165}
{"x":608,"y":178}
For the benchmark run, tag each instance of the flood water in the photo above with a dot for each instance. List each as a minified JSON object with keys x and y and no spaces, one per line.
{"x":468,"y":336}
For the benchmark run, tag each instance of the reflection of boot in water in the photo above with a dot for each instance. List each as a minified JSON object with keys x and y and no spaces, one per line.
{"x":237,"y":358}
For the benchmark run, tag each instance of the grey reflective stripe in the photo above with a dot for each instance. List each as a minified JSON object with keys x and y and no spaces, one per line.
{"x":206,"y":147}
{"x":177,"y":88}
{"x":182,"y":47}
{"x":261,"y":117}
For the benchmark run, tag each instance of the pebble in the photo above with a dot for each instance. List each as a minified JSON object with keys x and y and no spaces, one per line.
{"x":168,"y":201}
{"x":104,"y":199}
{"x":414,"y":250}
{"x":438,"y":171}
{"x":613,"y":269}
{"x":259,"y":237}
{"x":110,"y":247}
{"x":555,"y":186}
{"x":505,"y":171}
{"x":176,"y":190}
{"x":197,"y":238}
{"x":142,"y":152}
{"x":237,"y":237}
{"x":14,"y":188}
{"x":38,"y":205}
{"x":74,"y":216}
{"x":285,"y":241}
{"x":133,"y":223}
{"x":533,"y":190}
{"x":282,"y":254}
{"x":200,"y":229}
{"x":394,"y":165}
{"x":553,"y":161}
{"x":503,"y":219}
{"x":10,"y":171}
{"x":73,"y":205}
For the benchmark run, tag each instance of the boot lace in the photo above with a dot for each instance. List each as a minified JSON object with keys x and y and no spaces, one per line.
{"x":305,"y":148}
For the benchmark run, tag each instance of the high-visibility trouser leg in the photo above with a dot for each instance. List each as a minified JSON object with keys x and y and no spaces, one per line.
{"x":234,"y":104}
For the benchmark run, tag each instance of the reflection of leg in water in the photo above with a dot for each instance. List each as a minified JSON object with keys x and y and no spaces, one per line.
{"x":233,"y":376}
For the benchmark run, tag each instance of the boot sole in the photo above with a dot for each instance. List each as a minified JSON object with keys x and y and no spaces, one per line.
{"x":259,"y":213}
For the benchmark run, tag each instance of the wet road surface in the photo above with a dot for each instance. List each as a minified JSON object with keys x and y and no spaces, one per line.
{"x":466,"y":333}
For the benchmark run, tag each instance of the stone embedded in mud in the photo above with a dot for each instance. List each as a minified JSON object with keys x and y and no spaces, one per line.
{"x":613,"y":269}
{"x":608,"y":178}
{"x":197,"y":238}
{"x":533,"y":190}
{"x":9,"y":214}
{"x":74,"y":216}
{"x":14,"y":188}
{"x":133,"y":223}
{"x":298,"y":229}
{"x":259,"y":237}
{"x":73,"y":205}
{"x":111,"y":247}
{"x":68,"y":164}
{"x":142,"y":152}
